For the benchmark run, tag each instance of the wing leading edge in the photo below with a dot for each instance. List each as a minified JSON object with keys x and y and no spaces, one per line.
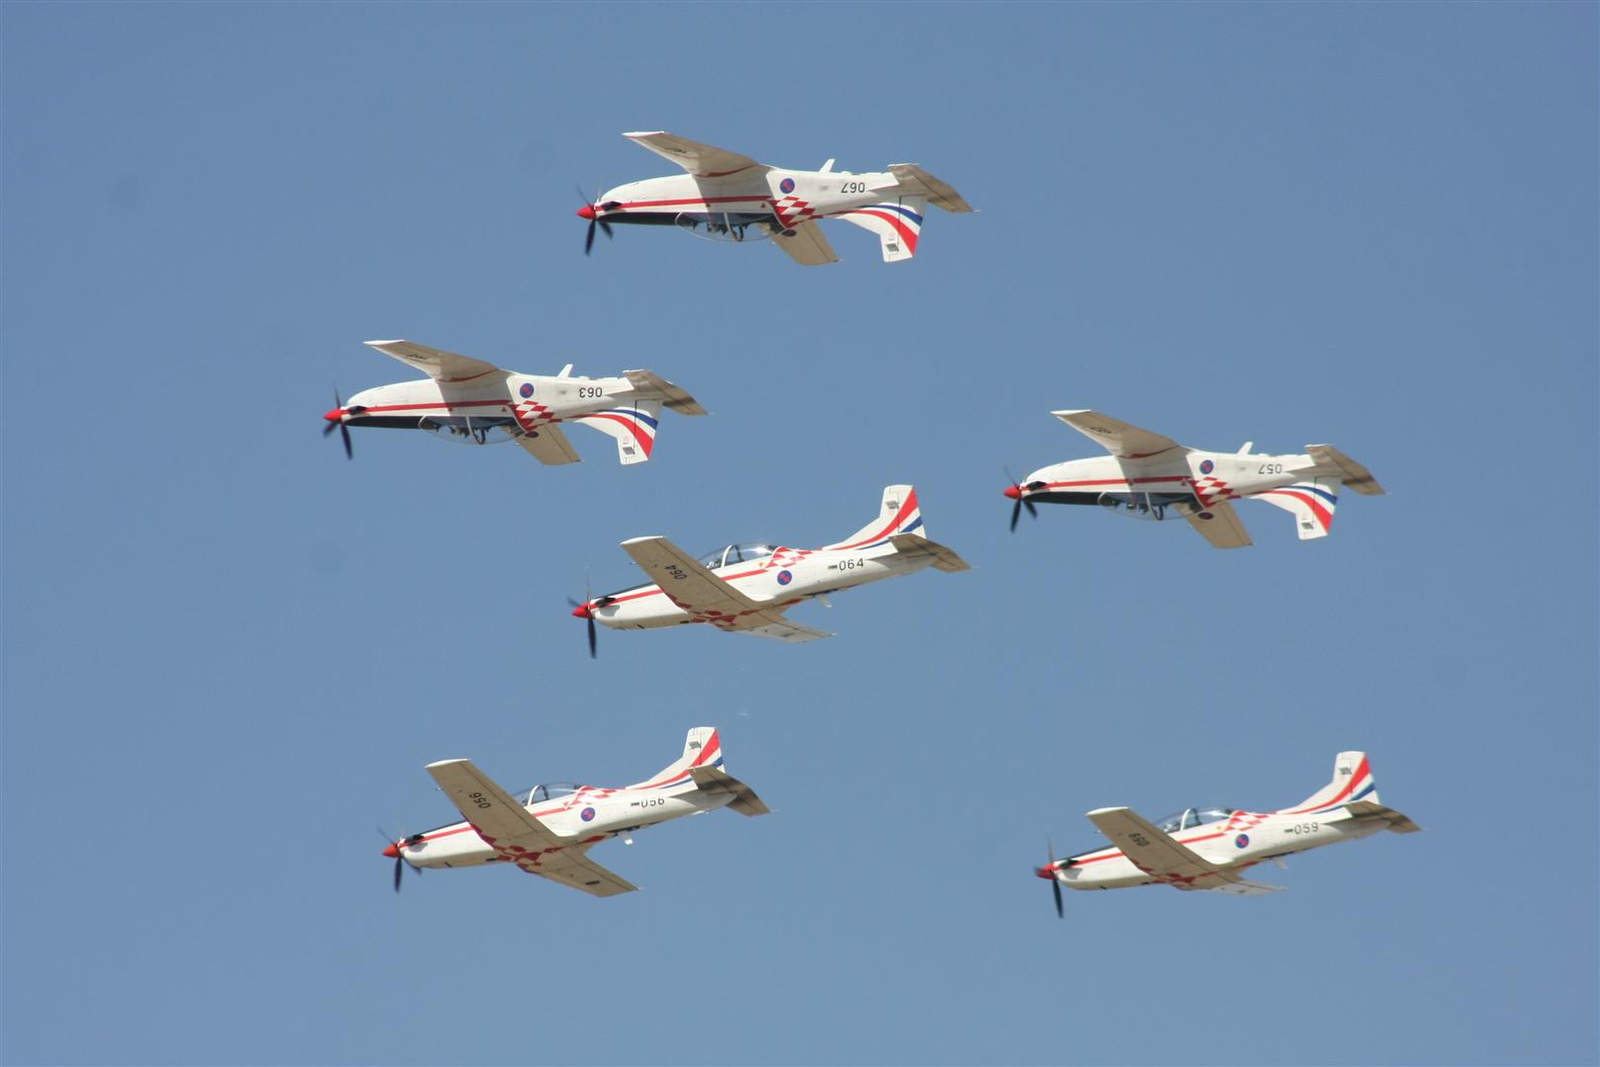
{"x":700,"y":160}
{"x":1122,"y":439}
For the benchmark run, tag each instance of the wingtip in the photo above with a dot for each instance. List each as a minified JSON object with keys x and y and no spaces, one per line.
{"x":1105,"y":811}
{"x":643,"y":540}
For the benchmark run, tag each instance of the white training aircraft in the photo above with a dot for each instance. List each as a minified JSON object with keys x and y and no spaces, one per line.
{"x":1206,"y":848}
{"x":548,"y":830}
{"x":746,"y":588}
{"x":466,"y":399}
{"x":1148,"y":473}
{"x":727,"y":193}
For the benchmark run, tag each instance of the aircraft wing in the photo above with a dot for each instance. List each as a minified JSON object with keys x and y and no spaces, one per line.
{"x":772,"y":624}
{"x":688,"y":583}
{"x":808,"y":247}
{"x":548,"y":445}
{"x":1121,"y":439}
{"x":1163,"y":857}
{"x":510,"y":830}
{"x":700,"y":160}
{"x":1223,"y":529}
{"x":437,"y":364}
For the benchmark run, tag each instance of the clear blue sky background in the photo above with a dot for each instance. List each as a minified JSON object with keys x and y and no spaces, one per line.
{"x":228,"y":653}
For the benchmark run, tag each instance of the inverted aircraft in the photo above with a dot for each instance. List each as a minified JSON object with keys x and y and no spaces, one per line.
{"x":1206,"y":848}
{"x":549,"y":829}
{"x":466,"y":399}
{"x":725,"y":194}
{"x":1148,"y":473}
{"x":746,"y":588}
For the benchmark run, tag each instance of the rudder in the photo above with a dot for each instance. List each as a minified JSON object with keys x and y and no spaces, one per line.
{"x":899,"y":513}
{"x":634,"y":427}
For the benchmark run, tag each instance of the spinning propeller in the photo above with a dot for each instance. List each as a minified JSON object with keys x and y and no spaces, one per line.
{"x":1049,"y":872}
{"x":1016,"y":492}
{"x":588,"y":211}
{"x":586,"y":611}
{"x":400,"y":862}
{"x":336,"y":421}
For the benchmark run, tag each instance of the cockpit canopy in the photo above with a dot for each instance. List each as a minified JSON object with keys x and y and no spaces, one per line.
{"x":1189,"y":818}
{"x":540,"y":793}
{"x":743,"y":552}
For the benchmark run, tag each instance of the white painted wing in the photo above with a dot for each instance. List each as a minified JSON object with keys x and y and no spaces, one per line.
{"x":548,"y":445}
{"x":512,"y":831}
{"x":1164,"y":858}
{"x":1121,"y":439}
{"x":435,"y":363}
{"x":781,"y":629}
{"x":1223,"y":529}
{"x":688,"y":583}
{"x":700,"y":160}
{"x":808,"y":247}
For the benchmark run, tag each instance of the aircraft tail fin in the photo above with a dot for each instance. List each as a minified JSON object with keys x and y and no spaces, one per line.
{"x":701,"y":748}
{"x":1352,"y":782}
{"x":899,"y":513}
{"x":897,"y":222}
{"x":633,"y":425}
{"x":1311,"y":501}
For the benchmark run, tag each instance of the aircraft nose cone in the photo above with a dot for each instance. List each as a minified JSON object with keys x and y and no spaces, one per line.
{"x":336,"y":415}
{"x":586,"y":211}
{"x":581,"y":612}
{"x":393,"y":852}
{"x":1014,"y":492}
{"x":1045,"y":872}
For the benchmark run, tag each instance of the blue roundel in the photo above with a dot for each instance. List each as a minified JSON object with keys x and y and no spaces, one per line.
{"x":1241,"y":841}
{"x":787,"y":185}
{"x":526,"y":390}
{"x":588,"y":814}
{"x":1206,"y":466}
{"x":785,"y":577}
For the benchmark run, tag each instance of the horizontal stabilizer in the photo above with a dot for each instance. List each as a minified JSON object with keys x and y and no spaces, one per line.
{"x":1371,"y":809}
{"x":717,"y":780}
{"x":1354,"y":475}
{"x":671,"y":395}
{"x":918,"y":182}
{"x":915,"y":545}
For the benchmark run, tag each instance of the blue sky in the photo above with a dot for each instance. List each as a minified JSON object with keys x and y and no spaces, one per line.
{"x":228,"y":653}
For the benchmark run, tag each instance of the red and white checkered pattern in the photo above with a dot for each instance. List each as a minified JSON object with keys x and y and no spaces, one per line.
{"x":531,"y":415}
{"x":1210,"y":490}
{"x":792,"y":211}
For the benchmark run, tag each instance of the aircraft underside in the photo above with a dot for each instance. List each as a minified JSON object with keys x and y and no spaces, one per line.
{"x":1137,"y":504}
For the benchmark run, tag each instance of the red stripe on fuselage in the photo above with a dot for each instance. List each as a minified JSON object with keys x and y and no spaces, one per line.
{"x":906,"y":508}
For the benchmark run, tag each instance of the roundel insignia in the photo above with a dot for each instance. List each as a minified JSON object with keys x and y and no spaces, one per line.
{"x":785,"y":577}
{"x":526,"y":390}
{"x":588,"y":815}
{"x":1206,"y":466}
{"x":787,"y":185}
{"x":1241,"y":841}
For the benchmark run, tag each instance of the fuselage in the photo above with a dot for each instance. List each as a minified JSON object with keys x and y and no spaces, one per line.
{"x":1235,"y":839}
{"x":1202,"y":478}
{"x":778,"y":577}
{"x":521,"y":402}
{"x":728,"y":203}
{"x":582,"y":815}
